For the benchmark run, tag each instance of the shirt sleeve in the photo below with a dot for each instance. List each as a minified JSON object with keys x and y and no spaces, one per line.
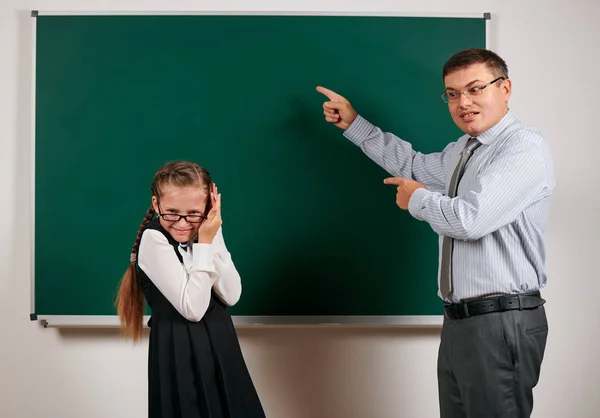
{"x":228,"y":285}
{"x":515,"y":178}
{"x":397,"y":156}
{"x":187,"y":287}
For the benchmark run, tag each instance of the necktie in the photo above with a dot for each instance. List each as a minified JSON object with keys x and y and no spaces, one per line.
{"x":447,"y":244}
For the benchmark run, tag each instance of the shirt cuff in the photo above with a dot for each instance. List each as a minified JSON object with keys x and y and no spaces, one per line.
{"x":414,"y":204}
{"x":203,"y":258}
{"x":358,"y":130}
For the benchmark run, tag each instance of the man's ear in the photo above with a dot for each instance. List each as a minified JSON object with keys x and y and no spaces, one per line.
{"x":507,"y":88}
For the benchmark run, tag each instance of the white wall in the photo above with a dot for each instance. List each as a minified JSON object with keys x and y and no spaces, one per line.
{"x":551,"y":48}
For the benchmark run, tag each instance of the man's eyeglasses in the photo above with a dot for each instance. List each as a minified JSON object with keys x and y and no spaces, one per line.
{"x":175,"y":217}
{"x":453,"y":96}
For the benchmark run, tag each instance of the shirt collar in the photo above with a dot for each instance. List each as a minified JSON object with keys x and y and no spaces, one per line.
{"x":492,"y":134}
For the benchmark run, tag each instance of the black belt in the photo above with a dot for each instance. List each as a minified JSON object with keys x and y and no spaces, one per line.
{"x":493,"y":304}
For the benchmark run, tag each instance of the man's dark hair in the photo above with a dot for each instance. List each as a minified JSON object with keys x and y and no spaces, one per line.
{"x":468,"y":57}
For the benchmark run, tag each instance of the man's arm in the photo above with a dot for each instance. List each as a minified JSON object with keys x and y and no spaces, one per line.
{"x":397,"y":156}
{"x":516,"y":177}
{"x":391,"y":153}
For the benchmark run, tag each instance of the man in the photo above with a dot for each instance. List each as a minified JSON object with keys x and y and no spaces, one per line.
{"x":487,"y":196}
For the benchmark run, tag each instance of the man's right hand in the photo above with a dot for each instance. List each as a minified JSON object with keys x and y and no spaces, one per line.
{"x":337,"y":110}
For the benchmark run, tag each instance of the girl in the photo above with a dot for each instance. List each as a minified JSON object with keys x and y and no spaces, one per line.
{"x":180,"y":264}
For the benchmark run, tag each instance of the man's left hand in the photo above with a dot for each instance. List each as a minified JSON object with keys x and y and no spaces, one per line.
{"x":406,"y":187}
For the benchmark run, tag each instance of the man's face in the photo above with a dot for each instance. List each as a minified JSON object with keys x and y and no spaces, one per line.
{"x":476,"y":113}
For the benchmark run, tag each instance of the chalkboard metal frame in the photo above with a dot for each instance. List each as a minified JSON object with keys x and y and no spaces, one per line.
{"x":111,"y":321}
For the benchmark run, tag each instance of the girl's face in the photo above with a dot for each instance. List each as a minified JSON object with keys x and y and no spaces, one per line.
{"x":189,"y":201}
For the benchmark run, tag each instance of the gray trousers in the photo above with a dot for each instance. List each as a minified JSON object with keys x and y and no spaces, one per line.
{"x":489,"y":364}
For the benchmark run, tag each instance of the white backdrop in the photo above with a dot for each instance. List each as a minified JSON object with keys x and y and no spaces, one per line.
{"x":551,"y":48}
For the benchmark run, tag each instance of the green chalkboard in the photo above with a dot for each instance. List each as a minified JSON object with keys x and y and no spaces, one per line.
{"x":310,"y":225}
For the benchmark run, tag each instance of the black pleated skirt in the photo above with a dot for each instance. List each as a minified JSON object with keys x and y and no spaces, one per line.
{"x":197,"y":370}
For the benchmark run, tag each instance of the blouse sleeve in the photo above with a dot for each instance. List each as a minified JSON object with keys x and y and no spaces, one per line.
{"x":186,"y":285}
{"x":228,"y":285}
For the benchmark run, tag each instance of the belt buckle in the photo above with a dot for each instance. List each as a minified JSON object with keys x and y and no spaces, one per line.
{"x":449,"y":312}
{"x":452,"y":311}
